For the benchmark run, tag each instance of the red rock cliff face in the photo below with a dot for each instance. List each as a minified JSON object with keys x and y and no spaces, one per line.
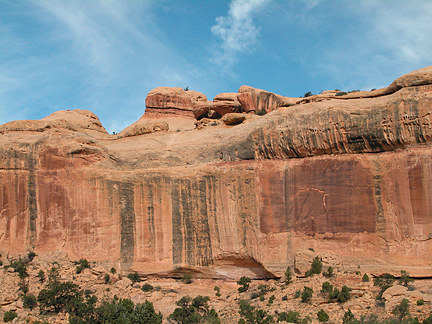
{"x":350,"y":178}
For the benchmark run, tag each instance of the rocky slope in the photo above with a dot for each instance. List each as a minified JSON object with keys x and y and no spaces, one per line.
{"x":166,"y":292}
{"x":347,"y":175}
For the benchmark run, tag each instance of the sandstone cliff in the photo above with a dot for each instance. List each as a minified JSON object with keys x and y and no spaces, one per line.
{"x":348,"y":176}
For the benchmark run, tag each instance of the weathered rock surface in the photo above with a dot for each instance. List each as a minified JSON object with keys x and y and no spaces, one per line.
{"x":345,"y":177}
{"x":225,"y":103}
{"x":255,"y":100}
{"x":143,"y":126}
{"x":234,"y":118}
{"x":165,"y":102}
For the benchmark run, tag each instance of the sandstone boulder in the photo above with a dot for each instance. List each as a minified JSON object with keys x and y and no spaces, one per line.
{"x":225,"y":103}
{"x":255,"y":100}
{"x":398,"y":292}
{"x":234,"y":118}
{"x":142,"y":127}
{"x":204,"y":122}
{"x":124,"y":283}
{"x":303,"y":260}
{"x":76,"y":120}
{"x":173,"y":102}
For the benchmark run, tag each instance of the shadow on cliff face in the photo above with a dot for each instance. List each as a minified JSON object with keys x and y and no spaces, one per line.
{"x":226,"y":268}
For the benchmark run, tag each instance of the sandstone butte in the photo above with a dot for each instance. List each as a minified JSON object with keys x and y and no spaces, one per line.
{"x":345,"y":177}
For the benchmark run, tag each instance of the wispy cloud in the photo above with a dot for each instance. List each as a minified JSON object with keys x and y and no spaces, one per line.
{"x":404,"y":29}
{"x":237,"y":31}
{"x":100,"y":55}
{"x":389,"y":39}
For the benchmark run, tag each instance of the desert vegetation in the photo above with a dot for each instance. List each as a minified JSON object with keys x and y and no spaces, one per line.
{"x":81,"y":292}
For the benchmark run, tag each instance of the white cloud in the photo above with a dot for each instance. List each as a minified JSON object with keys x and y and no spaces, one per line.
{"x":104,"y":56}
{"x":405,"y":29}
{"x":236,"y":31}
{"x":392,"y":38}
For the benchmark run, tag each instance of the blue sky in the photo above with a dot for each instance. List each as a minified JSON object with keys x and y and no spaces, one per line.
{"x":107,"y":55}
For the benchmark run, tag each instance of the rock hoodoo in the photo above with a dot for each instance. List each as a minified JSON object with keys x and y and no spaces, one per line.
{"x":347,"y":176}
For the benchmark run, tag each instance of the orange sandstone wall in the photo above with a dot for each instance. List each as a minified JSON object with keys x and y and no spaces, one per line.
{"x":229,"y":219}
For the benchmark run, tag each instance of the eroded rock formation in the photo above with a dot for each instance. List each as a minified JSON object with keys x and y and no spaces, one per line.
{"x":347,"y":177}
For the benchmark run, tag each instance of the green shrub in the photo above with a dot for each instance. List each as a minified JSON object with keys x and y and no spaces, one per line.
{"x":326,"y":287}
{"x":113,"y":270}
{"x":261,"y":112}
{"x":308,"y":273}
{"x":308,"y":94}
{"x":107,"y":278}
{"x":250,"y":315}
{"x":53,"y":275}
{"x":31,"y":255}
{"x":401,"y":310}
{"x":328,"y":273}
{"x":306,"y":320}
{"x":341,"y":93}
{"x":365,"y":278}
{"x":263,"y":290}
{"x":82,"y":264}
{"x":290,"y":317}
{"x":428,"y":320}
{"x":340,"y":296}
{"x":29,"y":301}
{"x":217,"y":289}
{"x":349,"y":318}
{"x":59,"y":296}
{"x":322,"y":316}
{"x":23,"y":286}
{"x":115,"y":311}
{"x":244,"y":283}
{"x":194,"y":310}
{"x":420,"y":302}
{"x":187,"y":278}
{"x":306,"y":294}
{"x":384,"y":282}
{"x":271,"y":300}
{"x":147,"y":287}
{"x":345,"y":294}
{"x":41,"y":276}
{"x":405,"y":279}
{"x":288,"y":276}
{"x":9,"y":316}
{"x":297,"y":294}
{"x":316,"y":266}
{"x":134,"y":277}
{"x":20,"y":268}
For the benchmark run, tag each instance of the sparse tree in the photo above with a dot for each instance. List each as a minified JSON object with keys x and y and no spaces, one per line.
{"x":401,"y":310}
{"x":306,"y":294}
{"x":405,"y":279}
{"x":244,"y":282}
{"x":322,"y":316}
{"x":288,"y":276}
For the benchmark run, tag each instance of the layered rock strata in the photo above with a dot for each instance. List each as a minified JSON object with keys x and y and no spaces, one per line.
{"x":349,"y":178}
